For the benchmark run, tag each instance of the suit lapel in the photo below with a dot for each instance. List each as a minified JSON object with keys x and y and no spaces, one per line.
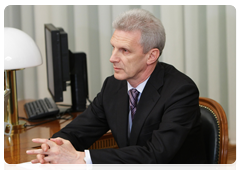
{"x":122,"y":109}
{"x":149,"y":98}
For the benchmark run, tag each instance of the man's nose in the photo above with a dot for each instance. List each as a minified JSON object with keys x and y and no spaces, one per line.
{"x":114,"y":57}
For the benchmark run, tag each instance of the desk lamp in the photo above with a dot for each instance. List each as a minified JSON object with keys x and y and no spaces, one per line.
{"x":20,"y":51}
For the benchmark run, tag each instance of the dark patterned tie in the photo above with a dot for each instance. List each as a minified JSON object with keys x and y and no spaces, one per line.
{"x":133,"y":98}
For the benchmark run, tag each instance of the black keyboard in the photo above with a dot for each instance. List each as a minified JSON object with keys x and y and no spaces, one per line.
{"x":40,"y":109}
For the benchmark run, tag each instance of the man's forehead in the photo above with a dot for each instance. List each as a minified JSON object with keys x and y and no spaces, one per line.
{"x":126,"y":36}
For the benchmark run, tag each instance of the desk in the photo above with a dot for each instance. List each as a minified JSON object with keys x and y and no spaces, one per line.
{"x":15,"y":146}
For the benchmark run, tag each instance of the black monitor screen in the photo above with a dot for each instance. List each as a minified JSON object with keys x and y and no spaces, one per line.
{"x":54,"y":62}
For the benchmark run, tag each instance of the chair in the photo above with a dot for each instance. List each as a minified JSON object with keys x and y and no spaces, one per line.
{"x":215,"y":130}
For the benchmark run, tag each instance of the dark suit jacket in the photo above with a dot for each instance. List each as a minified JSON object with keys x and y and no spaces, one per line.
{"x":166,"y":127}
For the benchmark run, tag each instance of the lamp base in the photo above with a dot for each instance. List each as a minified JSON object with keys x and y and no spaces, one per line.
{"x":11,"y":113}
{"x":19,"y":128}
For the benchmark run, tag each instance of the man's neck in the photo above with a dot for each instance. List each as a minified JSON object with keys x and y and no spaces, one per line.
{"x":145,"y":76}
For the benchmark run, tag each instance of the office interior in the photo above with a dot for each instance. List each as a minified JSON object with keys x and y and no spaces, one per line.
{"x":200,"y":42}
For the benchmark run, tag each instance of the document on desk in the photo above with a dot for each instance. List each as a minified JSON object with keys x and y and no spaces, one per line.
{"x":29,"y":165}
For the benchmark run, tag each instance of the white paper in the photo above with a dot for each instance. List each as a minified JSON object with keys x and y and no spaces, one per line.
{"x":29,"y":165}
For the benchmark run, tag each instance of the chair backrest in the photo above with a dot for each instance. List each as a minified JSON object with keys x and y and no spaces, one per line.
{"x":215,"y":130}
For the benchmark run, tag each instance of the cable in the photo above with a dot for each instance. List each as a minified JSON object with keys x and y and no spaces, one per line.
{"x":89,"y":101}
{"x":39,"y":123}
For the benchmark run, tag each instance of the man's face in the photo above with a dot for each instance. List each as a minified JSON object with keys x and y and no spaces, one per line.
{"x":129,"y":61}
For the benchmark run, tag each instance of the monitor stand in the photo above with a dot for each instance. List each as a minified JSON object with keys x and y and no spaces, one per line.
{"x":78,"y":77}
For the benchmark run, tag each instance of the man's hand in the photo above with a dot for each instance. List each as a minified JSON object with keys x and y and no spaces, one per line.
{"x":55,"y":151}
{"x":45,"y":147}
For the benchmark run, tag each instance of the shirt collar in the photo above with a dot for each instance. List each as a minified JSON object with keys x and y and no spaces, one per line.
{"x":140,"y":87}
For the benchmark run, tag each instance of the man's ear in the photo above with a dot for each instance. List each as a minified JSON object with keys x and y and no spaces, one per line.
{"x":153,"y":55}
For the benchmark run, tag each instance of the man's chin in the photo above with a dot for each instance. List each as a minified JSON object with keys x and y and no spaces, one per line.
{"x":119,"y":76}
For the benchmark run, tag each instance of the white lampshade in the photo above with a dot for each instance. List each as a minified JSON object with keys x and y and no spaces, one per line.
{"x":20,"y":51}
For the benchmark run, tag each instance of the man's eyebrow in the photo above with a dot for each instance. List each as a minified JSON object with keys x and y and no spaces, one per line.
{"x":122,"y":47}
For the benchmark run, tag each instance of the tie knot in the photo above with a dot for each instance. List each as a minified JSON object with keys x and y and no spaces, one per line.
{"x":134,"y":93}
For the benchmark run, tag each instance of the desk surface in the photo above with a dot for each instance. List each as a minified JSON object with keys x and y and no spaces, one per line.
{"x":15,"y":146}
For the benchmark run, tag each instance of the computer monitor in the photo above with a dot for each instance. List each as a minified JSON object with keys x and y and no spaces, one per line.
{"x":63,"y":66}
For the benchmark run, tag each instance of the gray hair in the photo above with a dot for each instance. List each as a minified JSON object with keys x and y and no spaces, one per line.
{"x":151,"y":28}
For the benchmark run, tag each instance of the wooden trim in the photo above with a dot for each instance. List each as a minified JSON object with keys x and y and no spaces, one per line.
{"x":106,"y":141}
{"x":220,"y":113}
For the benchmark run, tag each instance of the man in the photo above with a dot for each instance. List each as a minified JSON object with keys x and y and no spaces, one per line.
{"x":156,"y":122}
